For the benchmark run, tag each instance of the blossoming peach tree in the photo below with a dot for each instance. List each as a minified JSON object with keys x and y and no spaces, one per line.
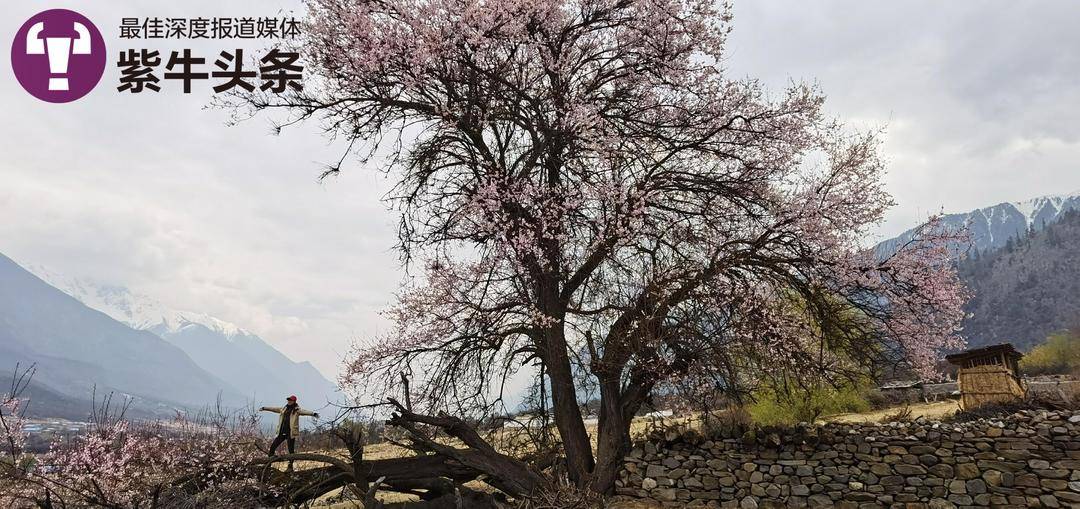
{"x":586,"y":189}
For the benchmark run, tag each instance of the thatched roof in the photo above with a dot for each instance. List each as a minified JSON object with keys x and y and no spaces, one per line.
{"x":986,"y":351}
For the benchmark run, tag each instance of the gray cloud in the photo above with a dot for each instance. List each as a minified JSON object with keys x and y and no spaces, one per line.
{"x":157,"y":193}
{"x":977,"y":97}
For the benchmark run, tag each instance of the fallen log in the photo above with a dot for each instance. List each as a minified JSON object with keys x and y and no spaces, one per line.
{"x":436,"y":477}
{"x":509,"y":475}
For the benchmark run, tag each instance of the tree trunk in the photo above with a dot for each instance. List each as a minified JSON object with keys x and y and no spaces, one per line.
{"x":568,"y":420}
{"x":613,"y":437}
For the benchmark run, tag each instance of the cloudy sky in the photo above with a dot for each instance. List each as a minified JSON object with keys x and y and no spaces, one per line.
{"x":157,"y":193}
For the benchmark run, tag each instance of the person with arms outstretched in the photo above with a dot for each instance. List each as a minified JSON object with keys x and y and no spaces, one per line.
{"x":288,"y":427}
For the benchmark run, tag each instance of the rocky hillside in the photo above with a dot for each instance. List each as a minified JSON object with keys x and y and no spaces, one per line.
{"x":1028,"y":288}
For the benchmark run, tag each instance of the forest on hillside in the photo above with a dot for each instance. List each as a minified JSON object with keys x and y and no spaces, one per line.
{"x":1028,"y":289}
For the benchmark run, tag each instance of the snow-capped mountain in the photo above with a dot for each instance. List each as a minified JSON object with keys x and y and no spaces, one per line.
{"x":237,"y":356}
{"x":81,"y":353}
{"x":1043,"y":210}
{"x":992,"y":227}
{"x":136,"y":310}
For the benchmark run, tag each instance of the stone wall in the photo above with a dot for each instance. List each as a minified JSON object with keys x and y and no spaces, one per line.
{"x":1029,"y":459}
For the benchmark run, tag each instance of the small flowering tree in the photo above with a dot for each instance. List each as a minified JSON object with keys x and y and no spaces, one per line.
{"x":586,"y":189}
{"x":12,"y":429}
{"x":14,"y":462}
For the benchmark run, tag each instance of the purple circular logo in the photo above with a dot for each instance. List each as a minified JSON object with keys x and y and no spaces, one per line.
{"x":58,"y":55}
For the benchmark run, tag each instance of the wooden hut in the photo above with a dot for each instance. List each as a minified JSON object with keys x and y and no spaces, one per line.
{"x":988,"y":375}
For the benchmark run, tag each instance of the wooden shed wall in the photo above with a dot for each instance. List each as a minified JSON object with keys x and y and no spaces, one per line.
{"x":982,"y":385}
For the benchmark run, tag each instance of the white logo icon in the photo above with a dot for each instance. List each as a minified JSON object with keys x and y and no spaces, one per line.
{"x":59,"y":49}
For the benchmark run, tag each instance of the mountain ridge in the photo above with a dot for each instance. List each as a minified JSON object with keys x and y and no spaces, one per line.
{"x":991,"y":227}
{"x":137,"y":310}
{"x":1022,"y":268}
{"x":230,"y":352}
{"x":80,"y":351}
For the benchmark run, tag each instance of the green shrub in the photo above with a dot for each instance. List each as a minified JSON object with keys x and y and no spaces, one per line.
{"x":778,"y":406}
{"x":1060,"y":354}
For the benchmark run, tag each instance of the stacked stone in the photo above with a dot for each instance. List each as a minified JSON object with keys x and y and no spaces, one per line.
{"x":1029,"y":459}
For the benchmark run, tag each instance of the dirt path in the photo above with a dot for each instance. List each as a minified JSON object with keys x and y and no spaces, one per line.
{"x":935,"y":410}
